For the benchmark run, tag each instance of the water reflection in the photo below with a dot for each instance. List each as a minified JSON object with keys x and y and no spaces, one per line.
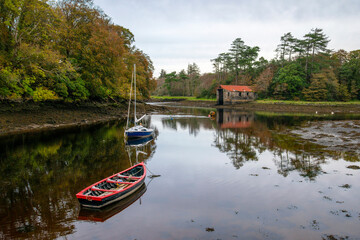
{"x":137,"y":149}
{"x":192,"y":123}
{"x":40,"y":175}
{"x":103,"y":214}
{"x":229,"y":118}
{"x":243,"y":136}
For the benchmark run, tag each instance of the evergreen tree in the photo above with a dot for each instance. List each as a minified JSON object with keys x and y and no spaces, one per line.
{"x":288,"y":82}
{"x":170,"y":78}
{"x":183,"y":79}
{"x":237,"y":51}
{"x":193,"y":72}
{"x":315,"y":42}
{"x":286,"y":47}
{"x":349,"y":74}
{"x":162,"y":73}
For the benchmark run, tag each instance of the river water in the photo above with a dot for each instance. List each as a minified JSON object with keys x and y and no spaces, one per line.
{"x":240,"y":175}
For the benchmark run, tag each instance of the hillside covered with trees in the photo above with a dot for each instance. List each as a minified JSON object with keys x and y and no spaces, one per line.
{"x":303,"y":69}
{"x":68,"y":50}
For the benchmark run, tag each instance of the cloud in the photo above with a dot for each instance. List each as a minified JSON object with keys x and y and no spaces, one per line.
{"x":175,"y":33}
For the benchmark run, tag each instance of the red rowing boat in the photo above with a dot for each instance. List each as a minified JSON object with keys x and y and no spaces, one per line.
{"x":113,"y":188}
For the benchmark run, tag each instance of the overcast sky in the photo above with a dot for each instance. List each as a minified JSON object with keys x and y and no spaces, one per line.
{"x":175,"y":33}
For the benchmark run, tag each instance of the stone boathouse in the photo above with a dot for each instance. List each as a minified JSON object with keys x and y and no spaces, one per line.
{"x":230,"y":94}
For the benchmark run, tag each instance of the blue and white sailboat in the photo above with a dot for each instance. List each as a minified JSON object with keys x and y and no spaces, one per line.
{"x":137,"y":131}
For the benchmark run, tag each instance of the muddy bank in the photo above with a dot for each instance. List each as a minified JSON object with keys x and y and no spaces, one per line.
{"x":341,"y":136}
{"x":16,"y":118}
{"x":323,"y":109}
{"x":280,"y":107}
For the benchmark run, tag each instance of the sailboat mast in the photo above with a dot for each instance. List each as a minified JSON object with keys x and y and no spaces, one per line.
{"x":128,"y":115}
{"x":135,"y":93}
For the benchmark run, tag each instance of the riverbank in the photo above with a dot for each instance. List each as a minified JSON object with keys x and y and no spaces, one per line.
{"x":17,"y":118}
{"x":270,"y":106}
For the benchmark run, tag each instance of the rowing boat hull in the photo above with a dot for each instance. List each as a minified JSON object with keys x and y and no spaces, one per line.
{"x":99,"y":202}
{"x":114,"y":198}
{"x":103,"y":214}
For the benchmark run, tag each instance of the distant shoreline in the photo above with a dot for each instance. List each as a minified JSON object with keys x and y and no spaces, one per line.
{"x":19,"y":118}
{"x":271,"y":106}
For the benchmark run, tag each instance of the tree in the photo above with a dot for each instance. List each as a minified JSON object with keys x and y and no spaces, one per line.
{"x":68,"y":50}
{"x":25,"y":21}
{"x":288,"y":82}
{"x":314,"y":42}
{"x":183,"y":78}
{"x":317,"y":90}
{"x":170,"y":78}
{"x":324,"y":86}
{"x":162,"y":73}
{"x":237,"y":51}
{"x":349,"y":74}
{"x":242,"y":57}
{"x":286,"y":47}
{"x":263,"y":81}
{"x":193,"y":72}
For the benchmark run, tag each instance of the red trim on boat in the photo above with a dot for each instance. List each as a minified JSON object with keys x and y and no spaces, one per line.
{"x":95,"y":198}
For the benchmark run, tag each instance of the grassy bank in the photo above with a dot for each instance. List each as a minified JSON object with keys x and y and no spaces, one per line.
{"x":182,"y":98}
{"x":271,"y":101}
{"x":263,"y":101}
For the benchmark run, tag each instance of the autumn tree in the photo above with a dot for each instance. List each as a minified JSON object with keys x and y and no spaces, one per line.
{"x":67,"y":50}
{"x":263,"y":81}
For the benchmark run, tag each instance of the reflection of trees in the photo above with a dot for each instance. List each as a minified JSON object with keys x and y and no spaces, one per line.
{"x":290,"y":155}
{"x":307,"y":165}
{"x":238,"y":146}
{"x":243,"y":142}
{"x":40,"y":175}
{"x":193,"y":123}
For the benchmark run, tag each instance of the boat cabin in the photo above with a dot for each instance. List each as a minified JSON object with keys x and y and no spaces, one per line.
{"x":230,"y":94}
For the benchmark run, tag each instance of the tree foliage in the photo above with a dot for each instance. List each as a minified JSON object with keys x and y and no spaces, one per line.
{"x":68,"y":48}
{"x":289,"y":82}
{"x":303,"y":69}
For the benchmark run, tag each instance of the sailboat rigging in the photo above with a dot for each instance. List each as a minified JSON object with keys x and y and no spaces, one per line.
{"x":137,"y":131}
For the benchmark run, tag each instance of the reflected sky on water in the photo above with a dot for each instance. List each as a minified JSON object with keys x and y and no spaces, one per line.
{"x":238,"y":175}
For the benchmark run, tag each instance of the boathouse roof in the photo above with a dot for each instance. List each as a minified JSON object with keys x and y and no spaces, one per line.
{"x":236,"y":88}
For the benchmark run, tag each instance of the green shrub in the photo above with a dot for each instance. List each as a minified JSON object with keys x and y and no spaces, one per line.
{"x":26,"y":84}
{"x":43,"y":94}
{"x":71,"y":89}
{"x":9,"y":82}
